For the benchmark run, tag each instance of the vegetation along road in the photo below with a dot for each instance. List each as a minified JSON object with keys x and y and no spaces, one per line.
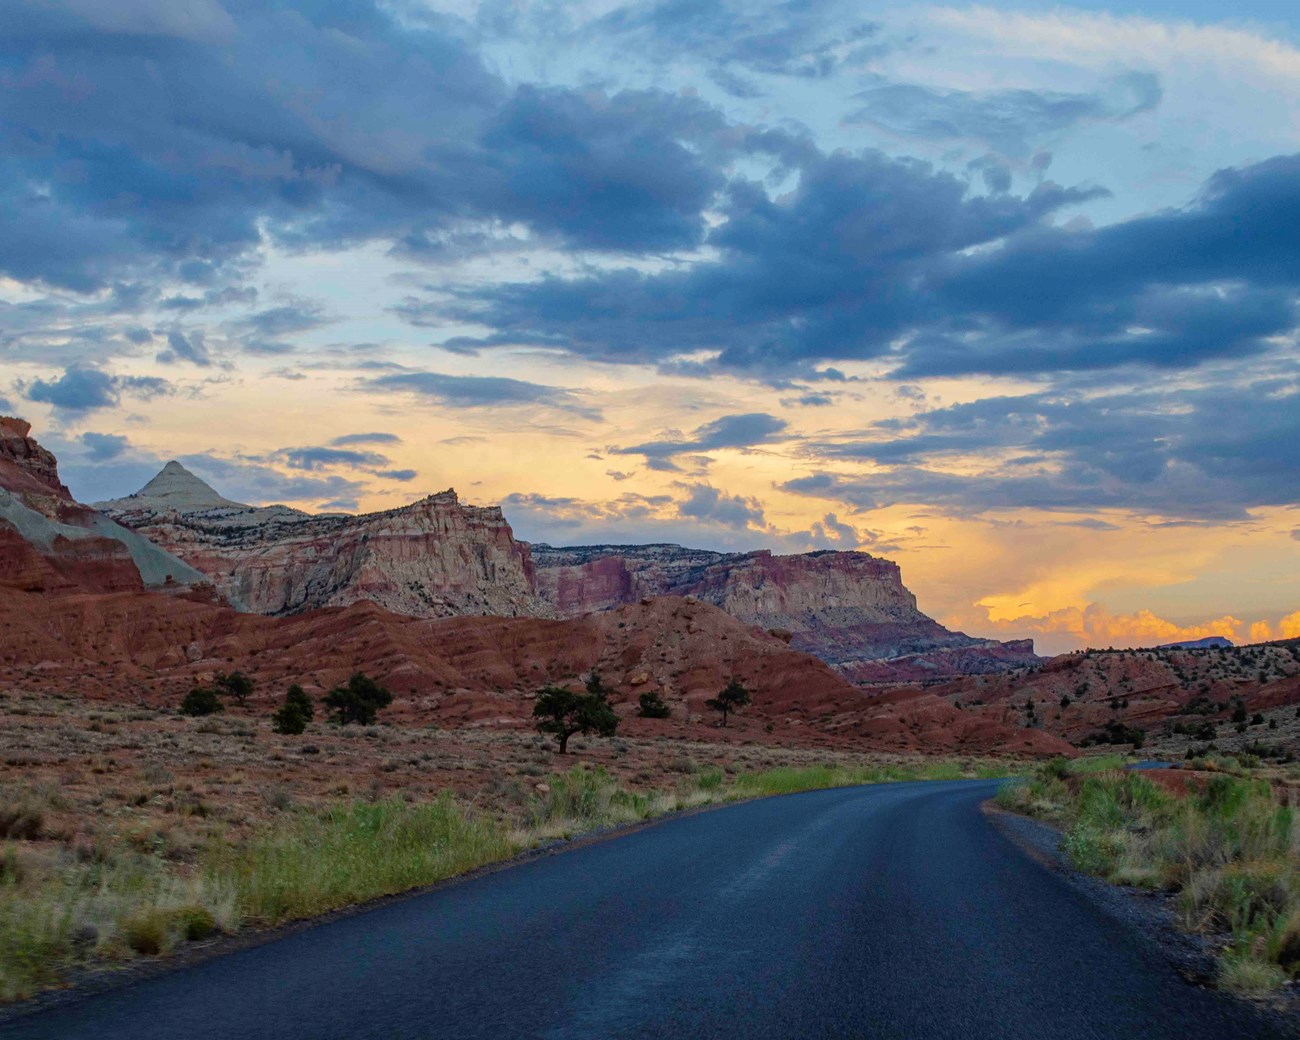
{"x":888,"y":911}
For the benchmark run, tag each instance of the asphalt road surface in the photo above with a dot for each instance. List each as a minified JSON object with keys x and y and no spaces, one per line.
{"x":895,"y":911}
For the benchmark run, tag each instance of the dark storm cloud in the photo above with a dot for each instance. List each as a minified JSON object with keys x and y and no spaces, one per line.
{"x":829,"y":273}
{"x":141,"y":149}
{"x":1210,"y":453}
{"x":1010,"y":121}
{"x":81,"y":389}
{"x":871,"y":257}
{"x":729,"y":431}
{"x":478,"y":391}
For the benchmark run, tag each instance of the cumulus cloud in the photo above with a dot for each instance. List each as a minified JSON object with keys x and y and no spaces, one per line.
{"x":728,"y":431}
{"x":103,"y":447}
{"x":81,"y":389}
{"x":316,"y":126}
{"x":323,"y":458}
{"x":705,"y":502}
{"x":349,"y":439}
{"x":835,"y":271}
{"x":183,"y":347}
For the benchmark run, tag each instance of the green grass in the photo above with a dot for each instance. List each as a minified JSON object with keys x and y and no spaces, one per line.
{"x":319,"y":861}
{"x":1230,"y":851}
{"x":59,"y":911}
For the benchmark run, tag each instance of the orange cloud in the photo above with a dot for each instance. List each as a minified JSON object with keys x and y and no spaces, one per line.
{"x":1096,"y":626}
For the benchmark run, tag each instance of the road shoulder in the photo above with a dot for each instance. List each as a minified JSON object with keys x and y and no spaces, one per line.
{"x":1150,"y":915}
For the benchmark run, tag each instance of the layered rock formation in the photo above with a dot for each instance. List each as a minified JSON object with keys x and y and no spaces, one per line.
{"x":850,"y":609}
{"x":49,"y":542}
{"x":439,"y":558}
{"x":434,"y":558}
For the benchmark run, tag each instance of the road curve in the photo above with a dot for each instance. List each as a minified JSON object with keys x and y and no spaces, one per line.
{"x":895,"y":911}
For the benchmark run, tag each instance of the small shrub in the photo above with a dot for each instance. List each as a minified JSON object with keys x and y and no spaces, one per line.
{"x":146,"y":933}
{"x":195,"y":923}
{"x":652,"y":706}
{"x":357,"y":702}
{"x":236,"y":684}
{"x":294,"y":713}
{"x":202,"y":700}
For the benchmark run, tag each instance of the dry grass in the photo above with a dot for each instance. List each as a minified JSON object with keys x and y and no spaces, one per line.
{"x":129,"y":832}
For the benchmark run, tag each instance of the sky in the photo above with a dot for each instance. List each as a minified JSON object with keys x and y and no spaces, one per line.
{"x":1005,"y":292}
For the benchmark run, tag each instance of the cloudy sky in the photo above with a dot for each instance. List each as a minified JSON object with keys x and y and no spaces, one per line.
{"x":1006,"y":292}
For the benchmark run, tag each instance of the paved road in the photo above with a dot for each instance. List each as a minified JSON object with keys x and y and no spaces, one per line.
{"x":896,"y":911}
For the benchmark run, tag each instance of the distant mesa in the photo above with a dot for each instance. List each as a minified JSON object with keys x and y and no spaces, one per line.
{"x":1206,"y":643}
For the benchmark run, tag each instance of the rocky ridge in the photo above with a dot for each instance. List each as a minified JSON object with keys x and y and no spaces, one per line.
{"x":850,"y":609}
{"x":440,"y":558}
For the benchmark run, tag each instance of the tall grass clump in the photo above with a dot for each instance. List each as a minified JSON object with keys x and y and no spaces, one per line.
{"x":585,"y":800}
{"x":1229,"y":850}
{"x":317,"y":861}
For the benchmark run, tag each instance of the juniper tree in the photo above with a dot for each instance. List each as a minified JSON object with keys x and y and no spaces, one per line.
{"x":732,"y":697}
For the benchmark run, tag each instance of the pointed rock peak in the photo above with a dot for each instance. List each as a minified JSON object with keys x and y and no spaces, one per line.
{"x":177,"y":488}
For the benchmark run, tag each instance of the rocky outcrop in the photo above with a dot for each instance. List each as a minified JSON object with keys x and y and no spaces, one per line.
{"x":49,"y":542}
{"x":850,"y":609}
{"x":433,"y":558}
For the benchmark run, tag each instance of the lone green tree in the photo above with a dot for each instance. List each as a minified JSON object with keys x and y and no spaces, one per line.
{"x":294,"y":713}
{"x":359,"y":701}
{"x":734,"y":696}
{"x":236,"y":684}
{"x":562,"y":713}
{"x":652,"y":706}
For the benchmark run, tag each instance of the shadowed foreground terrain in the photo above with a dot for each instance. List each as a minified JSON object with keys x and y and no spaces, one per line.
{"x":894,"y":911}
